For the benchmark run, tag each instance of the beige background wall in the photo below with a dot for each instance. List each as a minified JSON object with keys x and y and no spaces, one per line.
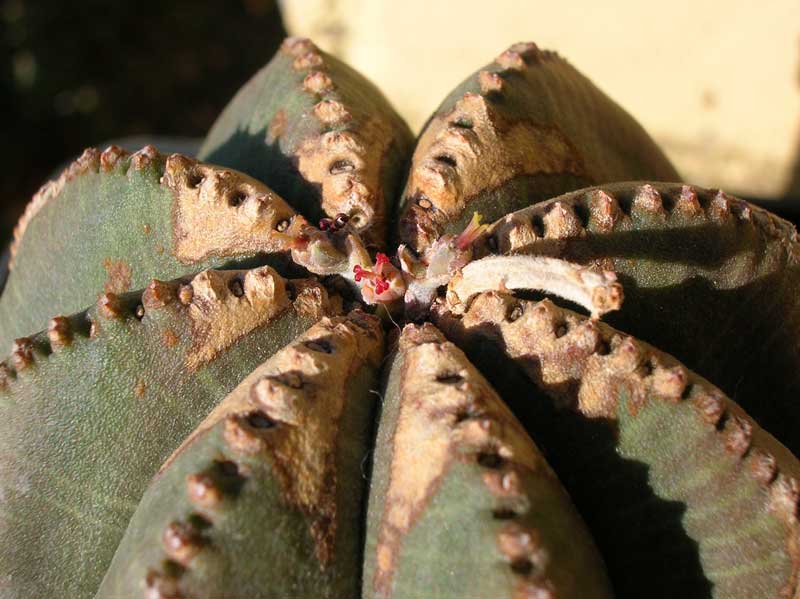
{"x":716,"y":83}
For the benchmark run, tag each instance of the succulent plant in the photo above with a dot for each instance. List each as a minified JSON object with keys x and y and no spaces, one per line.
{"x":261,"y":401}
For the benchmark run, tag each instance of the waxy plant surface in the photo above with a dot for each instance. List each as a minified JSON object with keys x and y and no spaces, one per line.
{"x":322,"y":359}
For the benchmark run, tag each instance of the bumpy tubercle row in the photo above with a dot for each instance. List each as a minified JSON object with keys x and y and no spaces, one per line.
{"x":334,"y":248}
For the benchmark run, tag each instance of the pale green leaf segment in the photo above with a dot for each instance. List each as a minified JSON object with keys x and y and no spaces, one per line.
{"x":462,"y":504}
{"x":85,"y":422}
{"x":265,"y":498}
{"x":112,"y":222}
{"x":684,"y":494}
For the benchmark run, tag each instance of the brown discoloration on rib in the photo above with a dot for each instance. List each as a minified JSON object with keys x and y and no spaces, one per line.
{"x":523,"y":550}
{"x":349,"y":167}
{"x":185,"y":294}
{"x":22,"y":353}
{"x":516,"y":542}
{"x":277,"y":126}
{"x":162,"y":585}
{"x":158,"y":294}
{"x":6,"y":376}
{"x":331,"y":112}
{"x":242,"y":437}
{"x":59,"y":332}
{"x":170,"y":338}
{"x":783,"y":498}
{"x":219,"y":316}
{"x":302,"y":390}
{"x":447,"y":411}
{"x":738,"y":435}
{"x":310,"y":298}
{"x":453,"y":164}
{"x":297,"y":46}
{"x":763,"y":465}
{"x":140,"y":389}
{"x":182,"y":541}
{"x":648,"y":200}
{"x":203,"y":490}
{"x":670,"y":383}
{"x":303,"y":448}
{"x":490,"y":82}
{"x":521,"y":55}
{"x":110,"y":307}
{"x":534,"y":589}
{"x":111,"y":156}
{"x":119,"y":276}
{"x":561,"y":222}
{"x":220,"y":212}
{"x":305,"y":53}
{"x":309,"y":60}
{"x":145,"y":157}
{"x":570,"y":357}
{"x":605,"y":210}
{"x":318,"y":82}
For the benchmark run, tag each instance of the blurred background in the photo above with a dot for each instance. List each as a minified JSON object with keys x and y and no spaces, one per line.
{"x":716,"y":83}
